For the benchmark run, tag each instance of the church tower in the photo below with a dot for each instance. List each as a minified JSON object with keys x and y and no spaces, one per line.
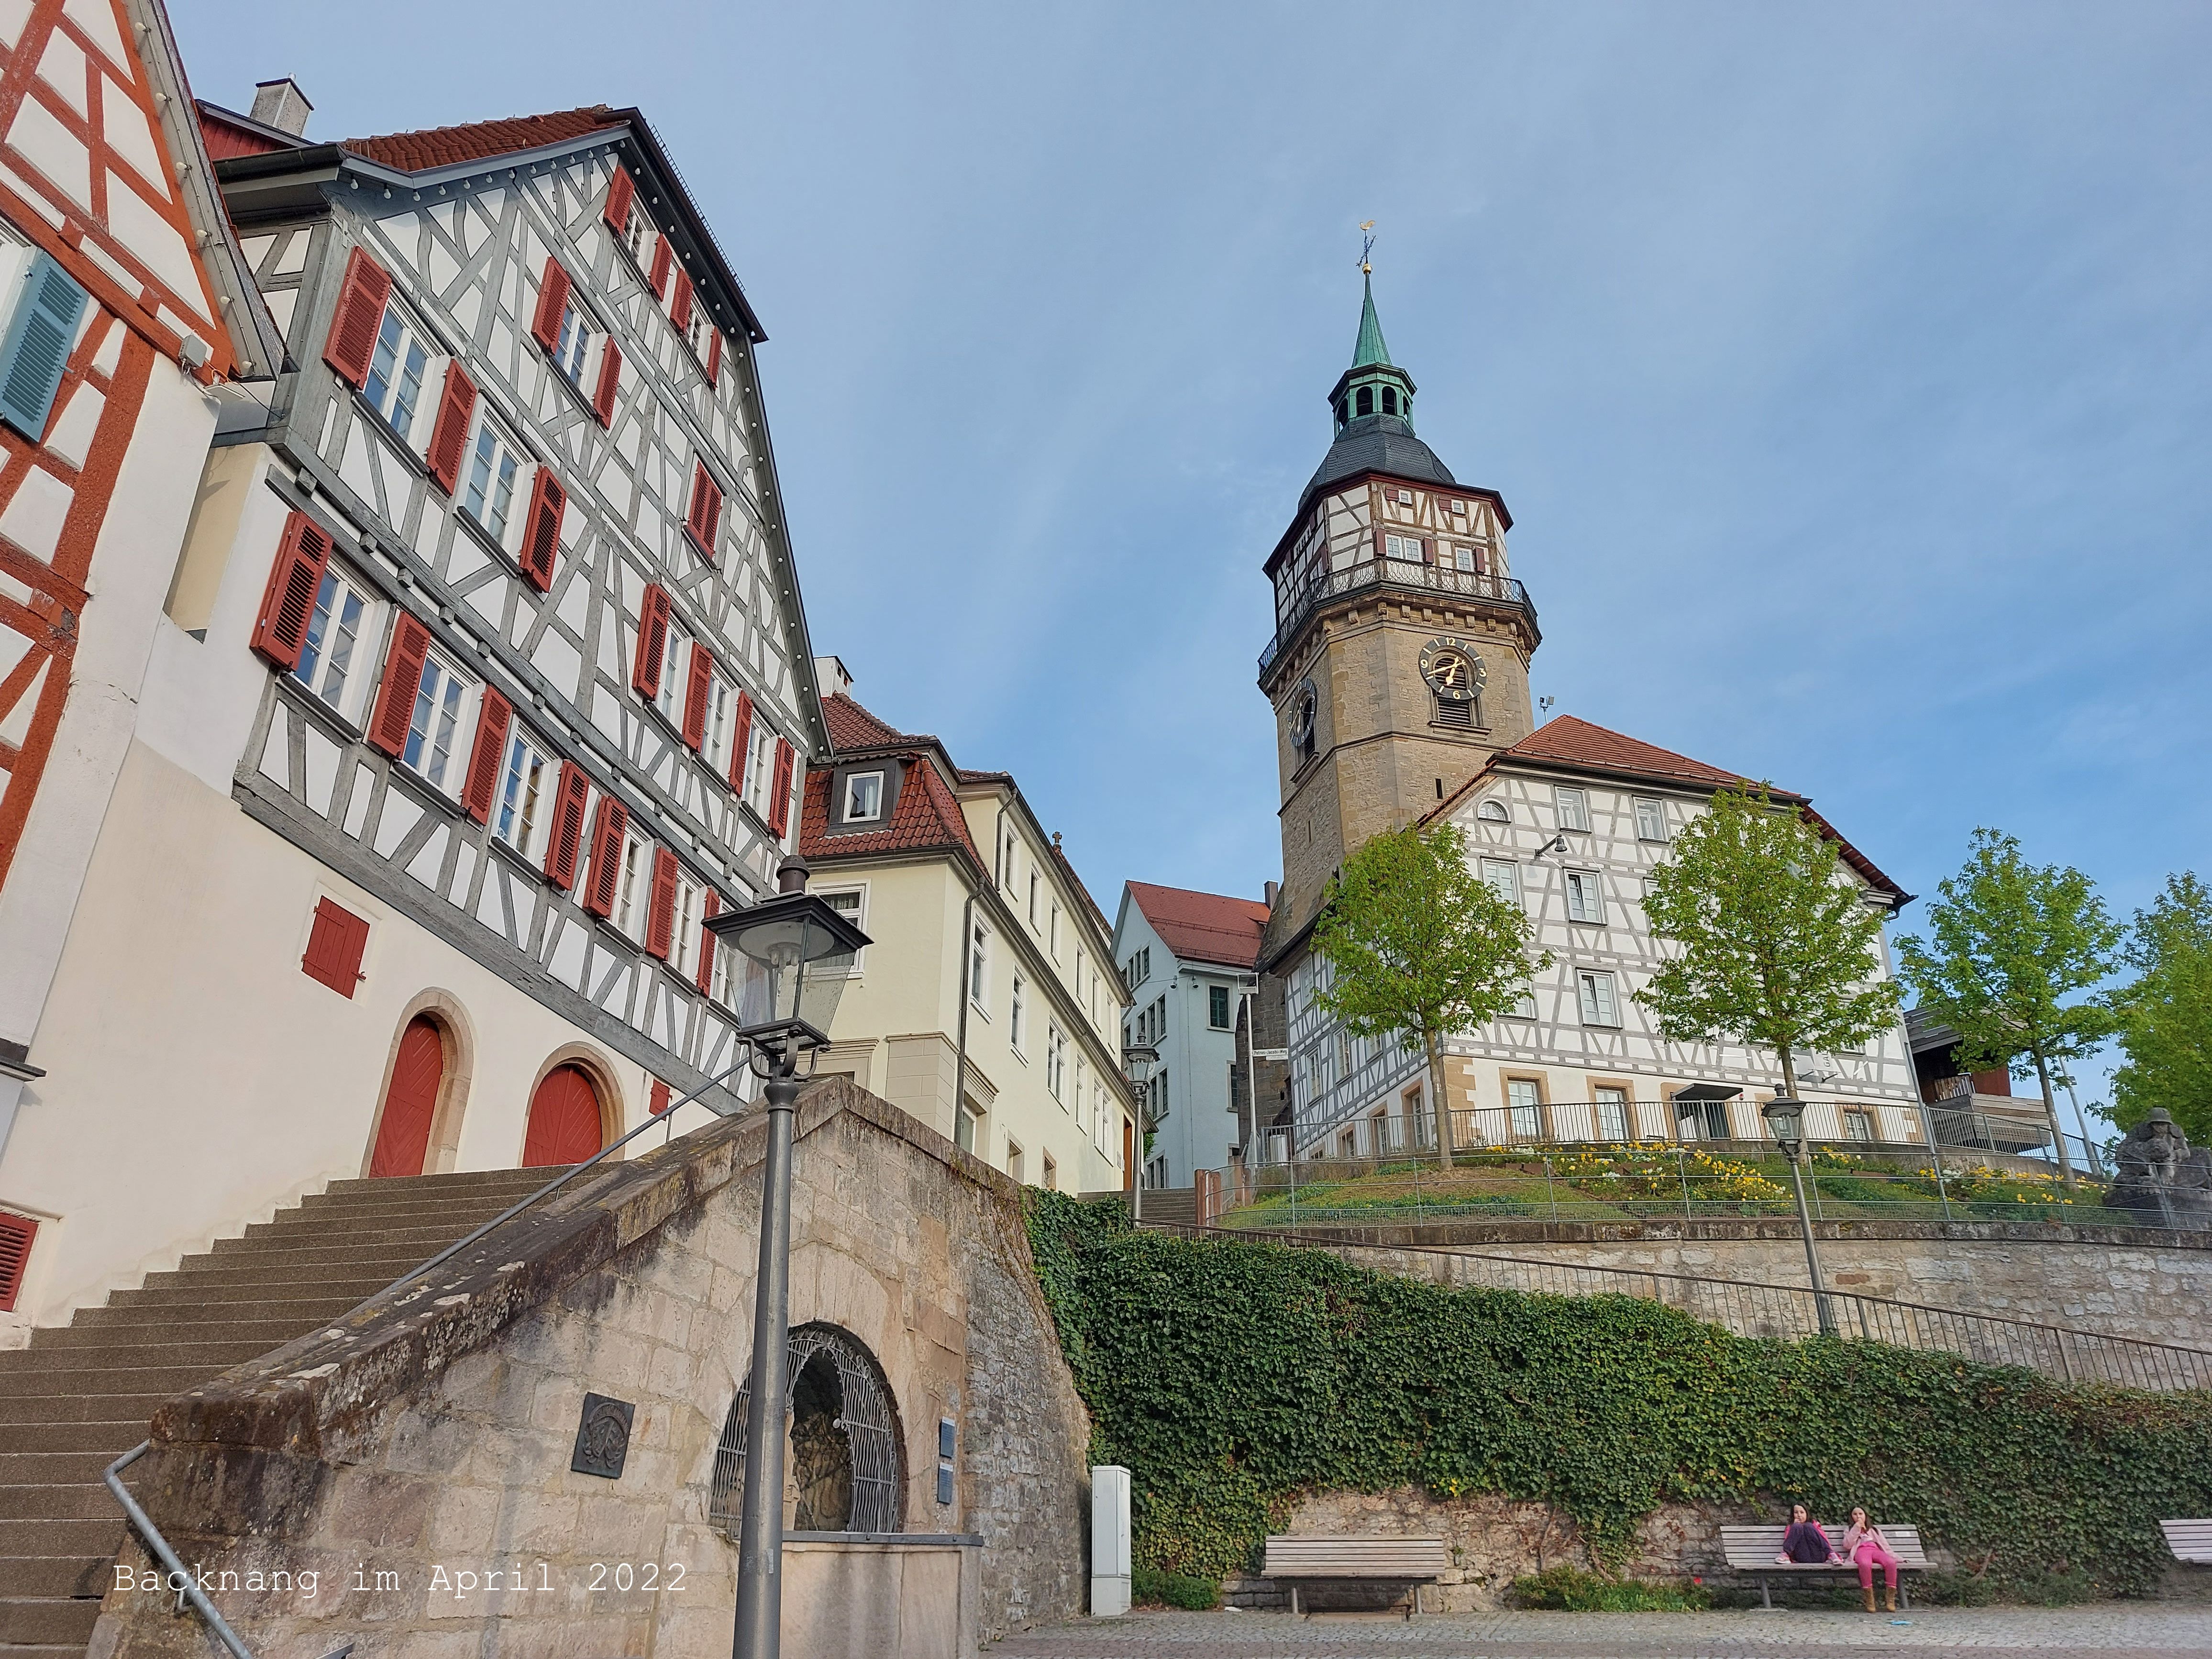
{"x":1399,"y":663}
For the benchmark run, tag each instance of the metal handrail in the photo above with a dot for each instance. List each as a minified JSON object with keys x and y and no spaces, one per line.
{"x":1372,"y":572}
{"x":143,"y":1522}
{"x":2060,"y":1351}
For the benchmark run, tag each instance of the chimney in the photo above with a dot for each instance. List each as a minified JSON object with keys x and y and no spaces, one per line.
{"x":1268,"y":890}
{"x":281,"y":105}
{"x":830,"y":678}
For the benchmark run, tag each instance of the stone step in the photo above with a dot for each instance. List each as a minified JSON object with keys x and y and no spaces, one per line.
{"x":83,"y":1500}
{"x":78,"y":1408}
{"x":102,"y":1536}
{"x":243,"y":1282}
{"x":226,"y":1328}
{"x":197,"y":1312}
{"x":287,"y":1242}
{"x":281,"y":1262}
{"x":122,"y":1435}
{"x":37,"y":1620}
{"x":490,"y":1199}
{"x":466,"y":1181}
{"x":55,"y":1574}
{"x":119,"y":1374}
{"x":55,"y":1468}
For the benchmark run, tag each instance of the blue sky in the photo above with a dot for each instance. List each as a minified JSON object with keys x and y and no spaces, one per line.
{"x":1847,"y":370}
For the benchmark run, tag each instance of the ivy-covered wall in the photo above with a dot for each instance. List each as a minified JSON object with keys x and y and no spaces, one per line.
{"x":1230,"y":1376}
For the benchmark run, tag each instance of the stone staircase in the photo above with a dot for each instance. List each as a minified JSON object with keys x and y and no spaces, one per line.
{"x":1170,"y":1207}
{"x":80,"y":1395}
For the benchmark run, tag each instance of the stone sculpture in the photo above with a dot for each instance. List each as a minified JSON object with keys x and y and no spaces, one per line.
{"x":2161,"y":1180}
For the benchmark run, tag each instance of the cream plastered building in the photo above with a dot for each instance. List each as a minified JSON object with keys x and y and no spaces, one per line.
{"x":988,"y":1006}
{"x":476,"y":682}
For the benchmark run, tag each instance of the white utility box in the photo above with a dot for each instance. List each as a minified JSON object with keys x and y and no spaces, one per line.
{"x":1109,"y":1541}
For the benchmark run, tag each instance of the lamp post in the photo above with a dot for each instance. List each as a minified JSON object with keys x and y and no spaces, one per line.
{"x":1786,"y":1117}
{"x":1137,"y":1060}
{"x":793,"y":952}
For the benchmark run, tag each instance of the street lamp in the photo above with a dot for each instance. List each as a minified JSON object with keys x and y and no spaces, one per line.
{"x":1137,"y":1060}
{"x":793,"y":955}
{"x":1786,"y":1118}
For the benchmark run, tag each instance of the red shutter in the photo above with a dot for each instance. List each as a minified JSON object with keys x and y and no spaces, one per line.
{"x":552,"y":301}
{"x":741,"y":742}
{"x":679,"y":304}
{"x":652,"y":641}
{"x":352,"y":338}
{"x":710,"y":906}
{"x":16,"y":1232}
{"x":661,"y":920}
{"x":661,"y":259}
{"x":1428,"y":549}
{"x":1378,"y":541}
{"x":705,"y":519}
{"x":565,"y":845}
{"x":288,"y":604}
{"x":541,"y":529}
{"x":715,"y":358}
{"x":335,"y":945}
{"x":485,"y":754}
{"x":657,"y":1101}
{"x":621,"y":190}
{"x":449,"y":439}
{"x":608,"y":833}
{"x":402,"y":678}
{"x":779,"y":800}
{"x":1481,"y":564}
{"x":696,"y":695}
{"x":603,"y":400}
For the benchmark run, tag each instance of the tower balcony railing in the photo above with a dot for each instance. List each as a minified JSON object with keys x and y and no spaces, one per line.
{"x":1399,"y":574}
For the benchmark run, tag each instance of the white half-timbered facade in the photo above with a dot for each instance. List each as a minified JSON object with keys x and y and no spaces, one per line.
{"x":486,"y":686}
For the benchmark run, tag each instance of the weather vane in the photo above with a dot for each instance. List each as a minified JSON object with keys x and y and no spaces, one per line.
{"x":1366,"y":247}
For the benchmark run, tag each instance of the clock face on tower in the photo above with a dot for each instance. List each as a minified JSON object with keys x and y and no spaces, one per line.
{"x":1453,"y":669}
{"x":1305,"y":703}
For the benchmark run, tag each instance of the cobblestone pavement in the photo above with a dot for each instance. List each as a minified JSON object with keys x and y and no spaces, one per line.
{"x":2112,"y":1631}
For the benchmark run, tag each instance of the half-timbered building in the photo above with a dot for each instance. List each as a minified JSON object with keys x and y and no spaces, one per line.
{"x":127,"y":320}
{"x":484,"y":684}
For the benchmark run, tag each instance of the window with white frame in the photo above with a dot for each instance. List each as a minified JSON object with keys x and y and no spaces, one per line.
{"x":1082,"y":1080}
{"x":684,"y":943}
{"x":721,"y":703}
{"x":633,"y":891}
{"x":979,"y":969}
{"x":1037,"y":895}
{"x":696,"y":331}
{"x":1524,"y":1104}
{"x":1493,"y":810}
{"x":524,"y":805}
{"x":852,"y":903}
{"x":394,"y":386}
{"x":1585,"y":900}
{"x":1051,"y":934}
{"x":1596,"y":990}
{"x":343,"y":612}
{"x":1611,"y":1108}
{"x":1405,"y":548}
{"x":760,"y":770}
{"x":434,"y":731}
{"x":488,"y":492}
{"x":1858,"y":1123}
{"x":1573,"y":808}
{"x":573,"y":346}
{"x":864,"y":797}
{"x":721,"y":985}
{"x":675,"y":675}
{"x":639,"y":236}
{"x":1055,"y":1060}
{"x":1650,"y":819}
{"x":1467,"y":559}
{"x":1009,"y":843}
{"x":1503,"y":877}
{"x":1017,"y":1018}
{"x":1524,"y":1006}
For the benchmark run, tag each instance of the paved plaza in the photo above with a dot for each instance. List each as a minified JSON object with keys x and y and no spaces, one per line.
{"x":2106,"y":1630}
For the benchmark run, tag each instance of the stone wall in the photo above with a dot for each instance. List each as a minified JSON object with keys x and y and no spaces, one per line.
{"x":2118,"y":1281}
{"x":429,"y":1435}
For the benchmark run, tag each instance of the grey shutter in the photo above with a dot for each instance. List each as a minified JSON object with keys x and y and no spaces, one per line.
{"x":37,"y":346}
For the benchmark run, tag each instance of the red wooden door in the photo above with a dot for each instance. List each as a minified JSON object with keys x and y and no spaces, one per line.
{"x":564,"y":1119}
{"x":403,"y":1135}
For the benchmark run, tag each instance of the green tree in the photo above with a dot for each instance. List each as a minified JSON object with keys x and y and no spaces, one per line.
{"x":2166,"y":1015}
{"x":2009,"y":942}
{"x":1419,"y":948}
{"x":1779,"y":947}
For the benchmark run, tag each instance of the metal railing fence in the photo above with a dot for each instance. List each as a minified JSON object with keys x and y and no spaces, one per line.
{"x":1394,"y":572}
{"x":1787,"y":1313}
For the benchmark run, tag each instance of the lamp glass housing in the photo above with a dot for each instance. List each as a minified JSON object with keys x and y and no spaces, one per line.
{"x":793,"y":955}
{"x":1786,"y":1118}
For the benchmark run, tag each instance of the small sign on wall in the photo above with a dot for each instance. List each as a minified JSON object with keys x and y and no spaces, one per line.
{"x":948,"y":1435}
{"x":603,"y":1437}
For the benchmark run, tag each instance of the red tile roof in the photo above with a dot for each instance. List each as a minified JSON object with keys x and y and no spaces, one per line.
{"x":852,"y":726}
{"x":1569,"y":742}
{"x":1203,"y":926}
{"x":926,"y":817}
{"x":479,"y":140}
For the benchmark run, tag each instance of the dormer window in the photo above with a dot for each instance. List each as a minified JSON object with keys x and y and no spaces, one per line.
{"x":864,"y":797}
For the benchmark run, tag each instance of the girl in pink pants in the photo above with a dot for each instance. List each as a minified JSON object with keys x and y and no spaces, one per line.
{"x":1864,"y":1546}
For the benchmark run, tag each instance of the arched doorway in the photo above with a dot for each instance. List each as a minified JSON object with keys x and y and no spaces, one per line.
{"x":843,"y":1456}
{"x":565,"y":1119}
{"x":410,"y":1101}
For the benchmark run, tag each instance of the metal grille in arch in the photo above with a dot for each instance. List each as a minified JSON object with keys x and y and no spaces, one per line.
{"x":846,"y":1459}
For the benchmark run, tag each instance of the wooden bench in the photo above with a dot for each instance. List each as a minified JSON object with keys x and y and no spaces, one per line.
{"x":2189,"y":1541}
{"x":1414,"y":1561}
{"x":1752,"y":1550}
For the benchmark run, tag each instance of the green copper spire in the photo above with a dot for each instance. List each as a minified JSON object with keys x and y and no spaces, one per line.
{"x":1370,"y":352}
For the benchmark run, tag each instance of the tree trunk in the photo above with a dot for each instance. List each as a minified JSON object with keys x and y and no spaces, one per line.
{"x":1789,"y":1072}
{"x":1439,"y":1102}
{"x":2050,"y":1116}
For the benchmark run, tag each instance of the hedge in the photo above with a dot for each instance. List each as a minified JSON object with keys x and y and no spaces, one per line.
{"x":1231,"y":1376}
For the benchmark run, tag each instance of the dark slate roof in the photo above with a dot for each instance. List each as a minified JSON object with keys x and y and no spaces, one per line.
{"x":1377,"y":443}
